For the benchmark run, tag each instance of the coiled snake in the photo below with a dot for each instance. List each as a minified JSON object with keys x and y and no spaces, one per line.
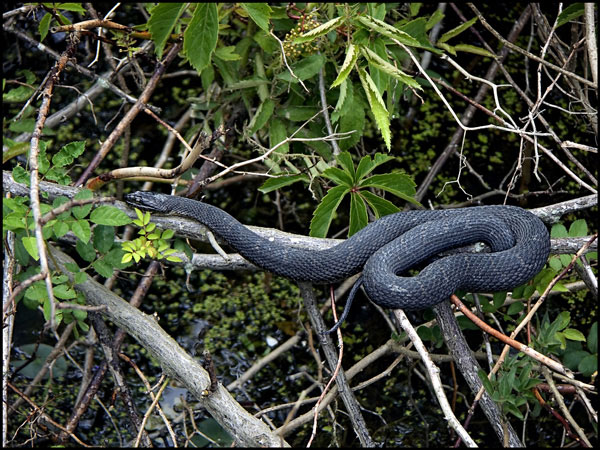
{"x":388,"y":247}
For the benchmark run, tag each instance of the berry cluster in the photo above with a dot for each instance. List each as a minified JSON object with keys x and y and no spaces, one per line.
{"x":293,"y":50}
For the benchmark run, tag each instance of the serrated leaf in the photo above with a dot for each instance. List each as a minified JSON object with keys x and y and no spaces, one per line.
{"x":319,"y":31}
{"x":67,"y":154}
{"x":103,"y":268}
{"x":260,"y":13}
{"x":398,"y":184}
{"x":388,"y":30}
{"x":323,"y":215}
{"x":344,"y":159}
{"x":473,"y":49}
{"x":340,"y":176}
{"x":378,"y":108}
{"x":380,"y":206}
{"x":200,"y":36}
{"x":349,"y":60}
{"x":273,"y":184}
{"x":64,"y":292}
{"x":109,"y":215}
{"x":167,"y":234}
{"x":571,"y":12}
{"x":456,"y":31}
{"x":388,"y":68}
{"x":358,"y":214}
{"x":81,"y":229}
{"x":227,"y":53}
{"x":163,"y":18}
{"x":367,"y":165}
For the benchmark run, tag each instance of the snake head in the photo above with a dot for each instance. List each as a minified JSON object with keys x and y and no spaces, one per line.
{"x":149,"y":201}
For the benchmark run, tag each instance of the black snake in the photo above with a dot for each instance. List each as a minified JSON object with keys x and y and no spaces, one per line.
{"x":388,"y":247}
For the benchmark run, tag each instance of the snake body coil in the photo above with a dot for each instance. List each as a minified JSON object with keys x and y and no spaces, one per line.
{"x":388,"y":247}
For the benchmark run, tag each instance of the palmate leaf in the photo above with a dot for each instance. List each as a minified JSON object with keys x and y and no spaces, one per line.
{"x":398,"y":184}
{"x":323,"y":215}
{"x":367,"y":165}
{"x":380,"y":206}
{"x":378,"y":108}
{"x":340,"y":176}
{"x":358,"y":214}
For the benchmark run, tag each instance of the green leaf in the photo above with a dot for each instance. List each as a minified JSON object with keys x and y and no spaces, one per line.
{"x":79,"y":212}
{"x":104,"y":269}
{"x":588,"y":365}
{"x":323,"y":215}
{"x":227,"y":53}
{"x":262,"y":116}
{"x":434,"y":19}
{"x":574,"y":335}
{"x":349,"y":60}
{"x":473,"y":49}
{"x":200,"y":37}
{"x":304,"y":69}
{"x":109,"y":215}
{"x":64,"y":292}
{"x":571,"y":12}
{"x":76,"y":7}
{"x":319,"y":31}
{"x":340,"y":176}
{"x":86,"y":251}
{"x":352,"y":117}
{"x":30,"y":245}
{"x":358,"y":214}
{"x":388,"y":68}
{"x":456,"y":31}
{"x":388,"y":30}
{"x":558,"y":230}
{"x":345,"y":160}
{"x":67,"y":154}
{"x":273,"y":184}
{"x":380,"y":206}
{"x":44,"y":26}
{"x":104,"y":237}
{"x":578,"y":228}
{"x":277,"y":134}
{"x":163,"y":18}
{"x":592,"y":339}
{"x":81,"y":229}
{"x":398,"y":184}
{"x":260,"y":13}
{"x":378,"y":108}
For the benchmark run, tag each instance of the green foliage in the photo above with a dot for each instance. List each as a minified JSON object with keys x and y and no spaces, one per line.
{"x":512,"y":387}
{"x":151,"y":243}
{"x":355,"y":182}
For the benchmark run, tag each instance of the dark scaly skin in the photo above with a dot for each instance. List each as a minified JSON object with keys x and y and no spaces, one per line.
{"x":519,"y":240}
